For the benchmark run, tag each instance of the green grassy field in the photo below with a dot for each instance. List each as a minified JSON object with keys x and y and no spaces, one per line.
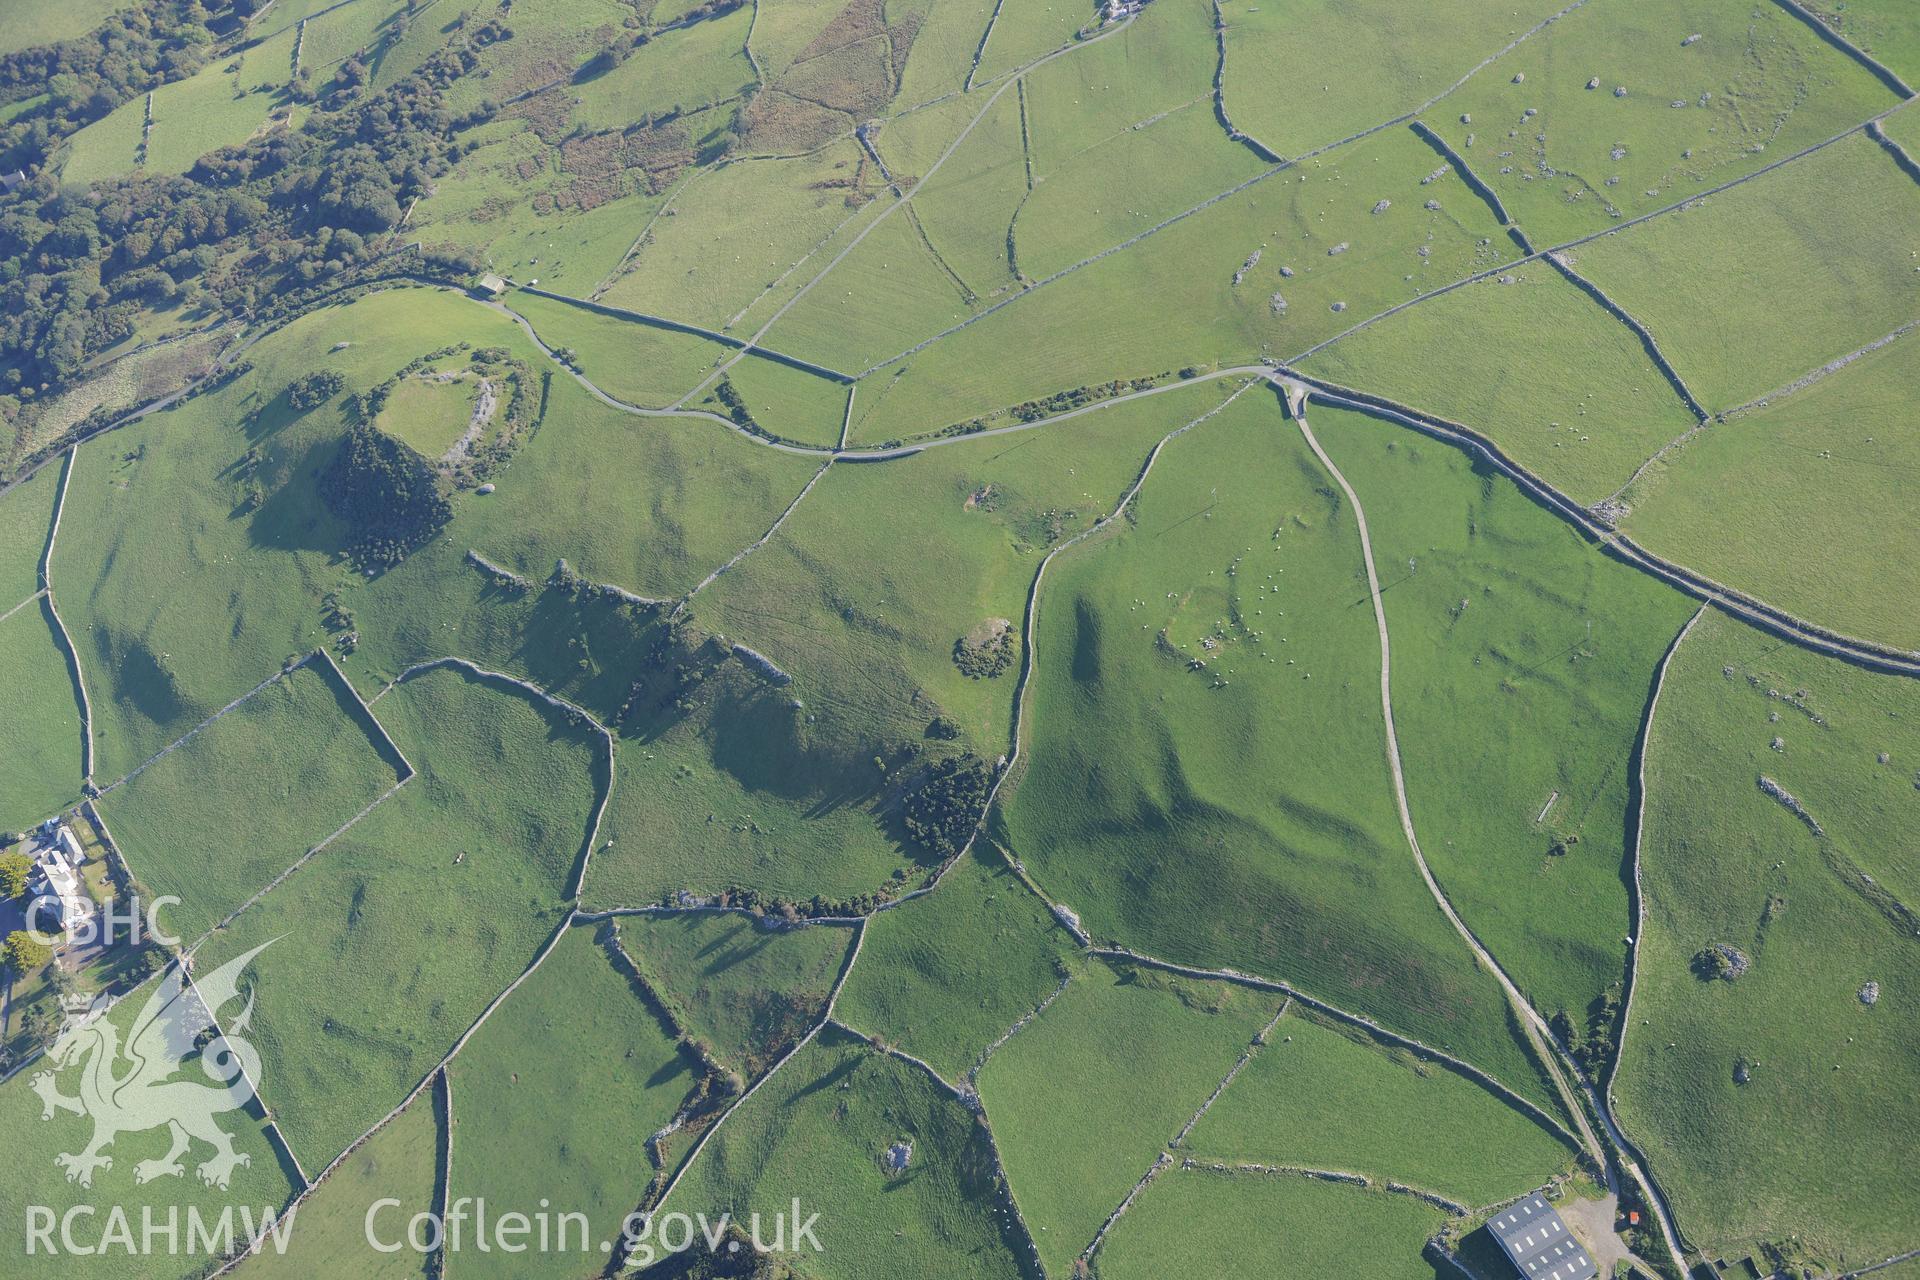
{"x":553,"y":1101}
{"x":26,"y":518}
{"x":819,"y":1131}
{"x":40,"y":753}
{"x":868,"y":646}
{"x":215,"y":107}
{"x":640,"y":363}
{"x":1757,"y":85}
{"x":966,"y":208}
{"x":25,"y":26}
{"x":238,"y":803}
{"x":652,"y":505}
{"x":1523,"y":657}
{"x":1836,"y":234}
{"x":689,"y":69}
{"x":1167,"y":796}
{"x":551,"y":40}
{"x":178,"y":597}
{"x":1563,"y":388}
{"x":946,"y":976}
{"x":30,"y":1175}
{"x":943,"y":48}
{"x":1375,"y":60}
{"x":1885,"y":29}
{"x":788,"y":402}
{"x":1243,"y":1224}
{"x":1030,"y":29}
{"x":1084,"y":1098}
{"x":736,"y":230}
{"x":1322,"y":1096}
{"x":747,"y":991}
{"x":403,"y":930}
{"x":1726,"y":863}
{"x":1786,"y":540}
{"x":429,"y":415}
{"x":401,"y":1162}
{"x":1087,"y":326}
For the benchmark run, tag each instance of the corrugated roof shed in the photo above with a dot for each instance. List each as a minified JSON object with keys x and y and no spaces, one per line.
{"x":1539,"y":1243}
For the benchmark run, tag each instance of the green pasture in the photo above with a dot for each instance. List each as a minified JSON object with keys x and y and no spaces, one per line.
{"x":553,"y":1101}
{"x":1084,"y":1098}
{"x":967,"y":206}
{"x":787,"y":402}
{"x":1755,"y":86}
{"x":430,"y":415}
{"x":1321,"y":1095}
{"x":391,"y":942}
{"x":40,"y":752}
{"x":631,"y":360}
{"x":1817,"y":916}
{"x":1751,"y":502}
{"x":1523,"y":657}
{"x":820,"y":1129}
{"x":747,"y":989}
{"x":1246,"y":1225}
{"x":681,"y":71}
{"x":1170,"y":796}
{"x":26,"y":520}
{"x":27,"y":26}
{"x":1530,"y":362}
{"x":1748,"y":290}
{"x":945,"y":976}
{"x":215,"y":820}
{"x":330,"y":1228}
{"x":1026,"y":30}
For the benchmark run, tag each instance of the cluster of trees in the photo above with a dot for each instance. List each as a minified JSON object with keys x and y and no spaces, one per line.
{"x":244,"y":231}
{"x":940,"y":812}
{"x":151,"y":44}
{"x":311,"y":390}
{"x":388,"y":497}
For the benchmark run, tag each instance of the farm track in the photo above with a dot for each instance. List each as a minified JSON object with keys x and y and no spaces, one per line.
{"x":1537,"y":1029}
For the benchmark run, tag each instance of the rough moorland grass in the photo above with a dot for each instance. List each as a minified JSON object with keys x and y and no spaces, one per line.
{"x":559,"y":1091}
{"x":691,"y":68}
{"x":26,"y":518}
{"x":329,"y":1237}
{"x":235,"y":805}
{"x":888,"y":293}
{"x":30,"y":1176}
{"x":1085,"y":1097}
{"x":1126,"y":183}
{"x":1163,"y":60}
{"x":1242,"y":1223}
{"x":1757,"y":85}
{"x":1750,"y":289}
{"x":1206,"y":774}
{"x":740,"y":793}
{"x":1375,"y":60}
{"x":788,"y":402}
{"x":819,"y":1130}
{"x":943,"y":48}
{"x":429,"y":415}
{"x":649,"y":504}
{"x":945,"y":976}
{"x":1886,"y":30}
{"x":869,"y":647}
{"x":1530,"y":362}
{"x":1522,"y":659}
{"x":640,"y":363}
{"x":1724,"y":862}
{"x":1170,"y":300}
{"x":40,"y":750}
{"x":27,"y":25}
{"x":551,"y":39}
{"x":745,"y":988}
{"x":734,"y":231}
{"x":1030,"y":29}
{"x":179,"y":598}
{"x":1322,"y":1096}
{"x":395,"y":938}
{"x":1847,"y":565}
{"x":967,"y":205}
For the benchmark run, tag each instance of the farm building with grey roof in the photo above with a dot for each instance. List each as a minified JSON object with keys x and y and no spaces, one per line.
{"x":1539,"y":1243}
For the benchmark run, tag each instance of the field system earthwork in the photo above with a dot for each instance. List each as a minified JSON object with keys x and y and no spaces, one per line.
{"x":1192,"y":637}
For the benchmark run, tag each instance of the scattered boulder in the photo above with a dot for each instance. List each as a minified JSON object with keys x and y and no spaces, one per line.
{"x":1519,"y":77}
{"x":1690,"y":40}
{"x":1341,"y":306}
{"x":1286,"y":273}
{"x":897,"y":1156}
{"x":1277,"y":305}
{"x":1742,"y":1071}
{"x":1594,"y":83}
{"x":485,"y":489}
{"x":1722,"y":960}
{"x":1619,"y":91}
{"x":1884,"y":758}
{"x":1337,"y":250}
{"x":1465,"y":118}
{"x":1870,"y":993}
{"x":1381,"y":206}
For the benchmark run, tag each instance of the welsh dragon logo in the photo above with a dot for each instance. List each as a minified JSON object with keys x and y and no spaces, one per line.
{"x":130,"y":1088}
